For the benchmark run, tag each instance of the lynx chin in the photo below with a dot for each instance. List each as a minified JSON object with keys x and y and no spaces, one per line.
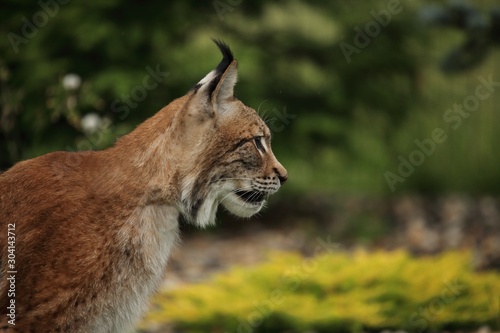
{"x":94,"y":230}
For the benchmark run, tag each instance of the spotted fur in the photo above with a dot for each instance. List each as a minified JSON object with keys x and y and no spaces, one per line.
{"x":94,"y":229}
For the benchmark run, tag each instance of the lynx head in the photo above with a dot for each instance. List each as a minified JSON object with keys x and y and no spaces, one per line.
{"x":230,"y":146}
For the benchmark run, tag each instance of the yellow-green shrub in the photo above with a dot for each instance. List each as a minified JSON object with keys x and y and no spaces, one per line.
{"x":338,"y":292}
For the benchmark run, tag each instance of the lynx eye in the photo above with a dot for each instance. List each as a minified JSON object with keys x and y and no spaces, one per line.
{"x":258,"y":143}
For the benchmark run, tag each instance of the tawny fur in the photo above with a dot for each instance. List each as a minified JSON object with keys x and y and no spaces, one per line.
{"x":94,"y":229}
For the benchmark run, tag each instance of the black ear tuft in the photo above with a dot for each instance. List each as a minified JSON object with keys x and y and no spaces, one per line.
{"x":227,"y":59}
{"x":227,"y":56}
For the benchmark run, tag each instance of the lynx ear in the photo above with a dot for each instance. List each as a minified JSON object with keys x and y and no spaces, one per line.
{"x":218,"y":85}
{"x":225,"y":87}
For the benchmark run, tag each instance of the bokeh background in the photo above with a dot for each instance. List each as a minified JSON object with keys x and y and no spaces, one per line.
{"x":385,"y":114}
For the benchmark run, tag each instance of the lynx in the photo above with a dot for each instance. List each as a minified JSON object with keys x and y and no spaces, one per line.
{"x":91,"y":232}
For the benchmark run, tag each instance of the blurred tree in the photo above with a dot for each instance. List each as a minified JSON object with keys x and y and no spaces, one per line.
{"x":292,"y":48}
{"x":333,"y":112}
{"x":481,"y":32}
{"x":107,"y":44}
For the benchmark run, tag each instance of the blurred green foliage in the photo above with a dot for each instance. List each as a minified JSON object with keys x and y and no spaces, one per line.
{"x":338,"y":125}
{"x":336,"y":292}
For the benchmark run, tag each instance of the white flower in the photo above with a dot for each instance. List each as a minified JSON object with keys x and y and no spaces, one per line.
{"x":91,"y":122}
{"x":71,"y":81}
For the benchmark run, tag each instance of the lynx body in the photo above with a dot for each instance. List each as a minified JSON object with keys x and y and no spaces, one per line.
{"x":93,"y":230}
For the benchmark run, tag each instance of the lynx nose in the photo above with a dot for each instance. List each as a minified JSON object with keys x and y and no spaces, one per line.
{"x":282,"y":179}
{"x":279,"y":171}
{"x":282,"y":175}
